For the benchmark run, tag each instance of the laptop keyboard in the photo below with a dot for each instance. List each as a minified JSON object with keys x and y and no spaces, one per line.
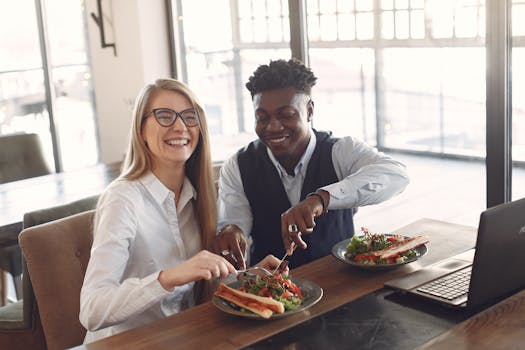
{"x":449,"y":287}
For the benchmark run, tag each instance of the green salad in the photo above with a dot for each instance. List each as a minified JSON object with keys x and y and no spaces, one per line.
{"x":276,"y":287}
{"x":364,"y":249}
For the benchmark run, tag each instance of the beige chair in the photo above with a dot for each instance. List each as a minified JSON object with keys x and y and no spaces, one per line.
{"x":20,"y":325}
{"x":57,"y":254}
{"x":21,"y":157}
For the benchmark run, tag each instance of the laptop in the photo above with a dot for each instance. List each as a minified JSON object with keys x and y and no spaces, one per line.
{"x":494,"y":269}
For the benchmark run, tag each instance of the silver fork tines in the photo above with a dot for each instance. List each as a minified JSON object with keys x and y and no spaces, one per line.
{"x":255,"y":268}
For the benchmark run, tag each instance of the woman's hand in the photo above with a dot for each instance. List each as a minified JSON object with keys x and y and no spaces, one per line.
{"x":204,"y":265}
{"x":270,"y":263}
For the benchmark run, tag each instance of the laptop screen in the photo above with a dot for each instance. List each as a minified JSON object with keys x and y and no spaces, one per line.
{"x":499,"y":262}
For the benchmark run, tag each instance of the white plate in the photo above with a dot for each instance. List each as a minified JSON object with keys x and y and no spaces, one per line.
{"x":339,"y":251}
{"x":310,"y":291}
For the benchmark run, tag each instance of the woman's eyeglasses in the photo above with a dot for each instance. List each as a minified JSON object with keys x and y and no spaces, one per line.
{"x":167,"y":117}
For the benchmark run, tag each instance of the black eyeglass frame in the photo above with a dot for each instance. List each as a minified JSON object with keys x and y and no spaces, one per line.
{"x":176,"y":114}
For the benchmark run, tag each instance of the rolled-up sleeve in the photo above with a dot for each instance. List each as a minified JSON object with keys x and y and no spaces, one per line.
{"x":365,"y":175}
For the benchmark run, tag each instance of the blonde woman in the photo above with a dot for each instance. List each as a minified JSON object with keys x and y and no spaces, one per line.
{"x":154,"y":223}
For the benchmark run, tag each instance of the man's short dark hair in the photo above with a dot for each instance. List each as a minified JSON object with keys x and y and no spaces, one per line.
{"x":281,"y":74}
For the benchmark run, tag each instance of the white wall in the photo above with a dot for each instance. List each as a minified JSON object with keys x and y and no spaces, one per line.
{"x":140,"y":30}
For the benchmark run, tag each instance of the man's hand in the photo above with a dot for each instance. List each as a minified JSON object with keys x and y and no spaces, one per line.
{"x":231,"y":244}
{"x":299,"y":219}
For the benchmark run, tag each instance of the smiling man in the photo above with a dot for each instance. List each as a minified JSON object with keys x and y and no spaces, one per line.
{"x":295,"y":186}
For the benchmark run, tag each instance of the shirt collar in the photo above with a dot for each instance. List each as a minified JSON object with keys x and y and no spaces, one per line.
{"x":160,"y":193}
{"x":303,"y":162}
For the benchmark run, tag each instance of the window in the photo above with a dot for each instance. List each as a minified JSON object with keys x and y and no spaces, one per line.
{"x":408,"y":76}
{"x":70,"y":132}
{"x":518,"y":104}
{"x":218,"y":62}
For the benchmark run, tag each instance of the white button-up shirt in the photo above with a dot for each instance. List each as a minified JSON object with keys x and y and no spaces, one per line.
{"x":138,"y":232}
{"x":365,"y":175}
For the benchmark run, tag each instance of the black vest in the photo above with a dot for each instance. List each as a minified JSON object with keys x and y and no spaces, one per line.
{"x":268,"y":200}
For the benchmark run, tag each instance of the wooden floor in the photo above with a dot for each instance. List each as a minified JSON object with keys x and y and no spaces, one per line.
{"x":441,"y":189}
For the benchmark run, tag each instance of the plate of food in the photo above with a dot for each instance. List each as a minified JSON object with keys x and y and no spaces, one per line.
{"x":266,"y":297}
{"x":380,"y":250}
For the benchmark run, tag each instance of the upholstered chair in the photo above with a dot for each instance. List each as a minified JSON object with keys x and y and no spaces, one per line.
{"x":20,"y":325}
{"x":21,"y":157}
{"x":57,"y":254}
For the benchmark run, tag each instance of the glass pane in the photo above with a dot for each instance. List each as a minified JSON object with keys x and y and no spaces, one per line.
{"x":74,"y":116}
{"x":328,"y":6}
{"x":433,"y":101}
{"x":518,"y":121}
{"x":346,"y":27}
{"x":466,"y":22}
{"x":66,"y":46}
{"x":518,"y":24}
{"x":387,"y":4}
{"x":313,"y":27}
{"x":218,"y":66}
{"x":387,"y":25}
{"x":344,"y":93}
{"x":22,"y":92}
{"x":345,"y":6}
{"x":328,"y":27}
{"x":402,"y":24}
{"x":74,"y":109}
{"x":445,"y":111}
{"x":417,"y":24}
{"x":518,"y":103}
{"x":312,"y":6}
{"x":365,"y":26}
{"x":364,"y":5}
{"x":20,"y":48}
{"x":401,"y":4}
{"x":441,"y":15}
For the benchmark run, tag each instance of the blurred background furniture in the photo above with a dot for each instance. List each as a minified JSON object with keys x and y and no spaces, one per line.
{"x":20,"y":324}
{"x":22,"y":196}
{"x":57,"y":254}
{"x":21,"y":157}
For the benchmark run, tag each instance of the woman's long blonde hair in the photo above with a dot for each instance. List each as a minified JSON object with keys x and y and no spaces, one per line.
{"x":198,"y":166}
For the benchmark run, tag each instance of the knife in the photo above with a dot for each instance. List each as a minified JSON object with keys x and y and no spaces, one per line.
{"x":284,"y":257}
{"x":280,"y":263}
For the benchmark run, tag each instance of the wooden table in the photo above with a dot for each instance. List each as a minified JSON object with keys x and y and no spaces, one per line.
{"x":20,"y":197}
{"x":500,"y":327}
{"x":206,"y":327}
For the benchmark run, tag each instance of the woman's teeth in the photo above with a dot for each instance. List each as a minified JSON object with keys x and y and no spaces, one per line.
{"x":177,"y":142}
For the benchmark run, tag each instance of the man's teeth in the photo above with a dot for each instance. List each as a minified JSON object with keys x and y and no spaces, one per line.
{"x":277,"y":140}
{"x":177,"y":142}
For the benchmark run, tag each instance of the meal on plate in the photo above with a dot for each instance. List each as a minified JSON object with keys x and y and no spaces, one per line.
{"x":263,"y":295}
{"x":381,"y":249}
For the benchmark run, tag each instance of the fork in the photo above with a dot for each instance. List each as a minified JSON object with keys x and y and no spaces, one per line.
{"x":268,"y":273}
{"x":233,"y":277}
